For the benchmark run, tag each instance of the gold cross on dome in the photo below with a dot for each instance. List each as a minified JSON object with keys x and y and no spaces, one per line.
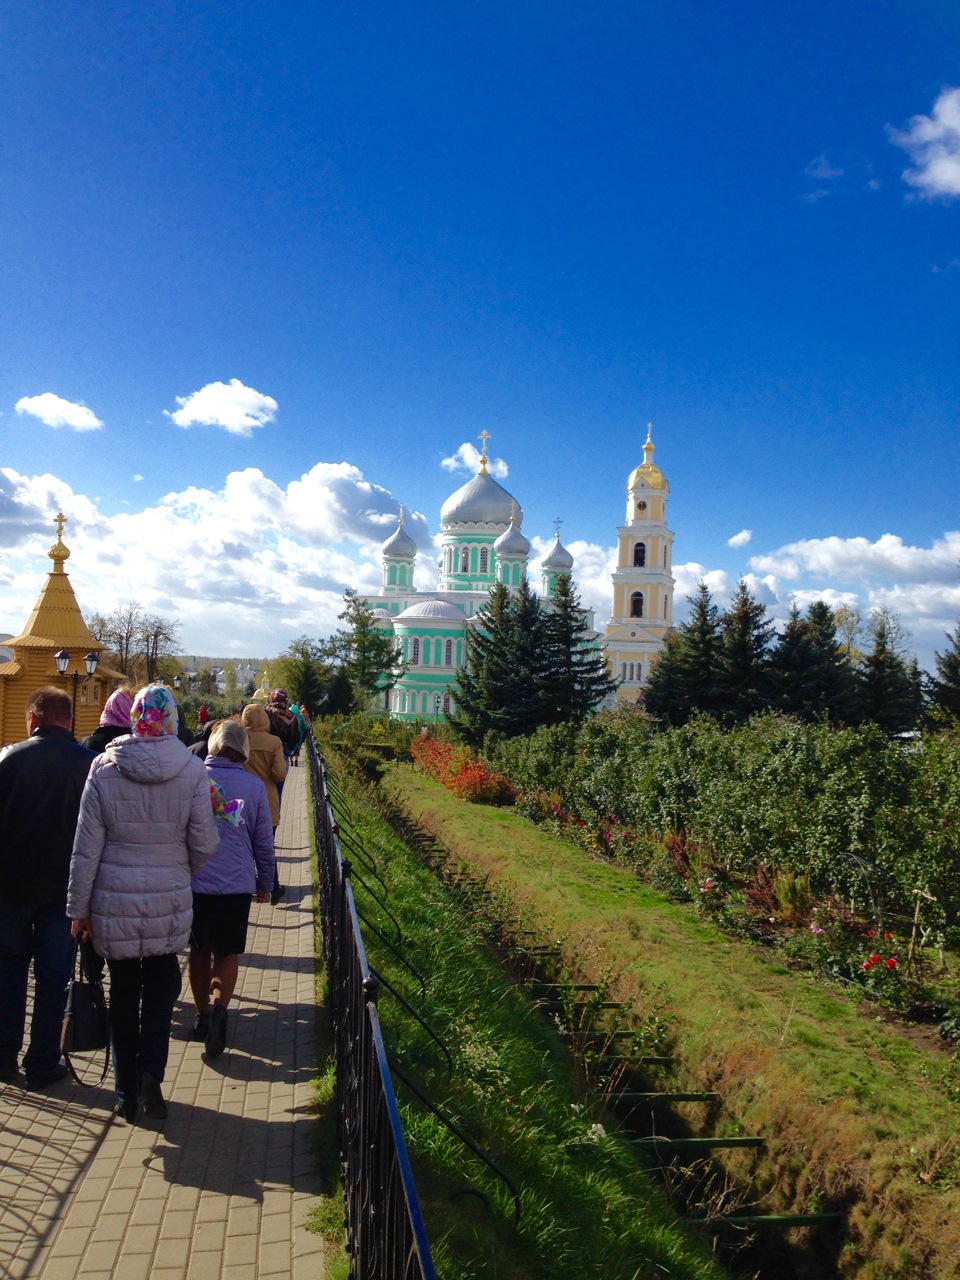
{"x":60,"y":521}
{"x":483,"y":437}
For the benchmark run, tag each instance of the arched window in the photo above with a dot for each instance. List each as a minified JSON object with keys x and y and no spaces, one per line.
{"x":446,"y":704}
{"x":630,"y":669}
{"x":415,"y":652}
{"x":448,"y":654}
{"x":623,"y":672}
{"x":636,"y":605}
{"x":484,"y":559}
{"x":465,"y":560}
{"x":665,"y":557}
{"x":402,"y":579}
{"x":639,"y":555}
{"x":392,"y":575}
{"x":666,"y":602}
{"x":639,"y":673}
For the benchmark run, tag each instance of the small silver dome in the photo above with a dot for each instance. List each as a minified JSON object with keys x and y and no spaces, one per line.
{"x":512,"y":543}
{"x":430,"y":609}
{"x":399,"y":546}
{"x":559,"y":559}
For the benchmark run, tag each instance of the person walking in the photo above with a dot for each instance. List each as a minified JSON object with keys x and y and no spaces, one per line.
{"x":222,"y":890}
{"x":114,"y":721}
{"x":301,"y":733}
{"x":41,"y":782}
{"x":146,"y":826}
{"x":268,"y":761}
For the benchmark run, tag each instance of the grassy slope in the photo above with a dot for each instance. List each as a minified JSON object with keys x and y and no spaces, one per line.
{"x":853,"y":1112}
{"x":589,"y":1209}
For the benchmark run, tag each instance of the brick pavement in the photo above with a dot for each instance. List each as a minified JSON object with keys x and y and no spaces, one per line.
{"x":225,"y":1188}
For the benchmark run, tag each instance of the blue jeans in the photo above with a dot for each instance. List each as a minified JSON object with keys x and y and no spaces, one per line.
{"x":143,"y":992}
{"x":40,"y":934}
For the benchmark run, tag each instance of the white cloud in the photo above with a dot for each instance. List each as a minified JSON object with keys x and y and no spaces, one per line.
{"x":933,"y":145}
{"x":740,"y":539}
{"x":57,"y":412}
{"x":467,"y":458}
{"x":251,"y":564}
{"x":859,"y":560}
{"x":231,"y":405}
{"x":246,"y":567}
{"x":136,"y":477}
{"x":822,"y":168}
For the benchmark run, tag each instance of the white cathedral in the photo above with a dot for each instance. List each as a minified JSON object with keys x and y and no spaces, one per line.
{"x":482,"y":544}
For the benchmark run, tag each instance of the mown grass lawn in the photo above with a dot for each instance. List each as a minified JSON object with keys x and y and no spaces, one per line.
{"x":855,"y":1114}
{"x":589,"y":1209}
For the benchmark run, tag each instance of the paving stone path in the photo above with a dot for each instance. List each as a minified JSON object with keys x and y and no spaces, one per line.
{"x":224,"y":1190}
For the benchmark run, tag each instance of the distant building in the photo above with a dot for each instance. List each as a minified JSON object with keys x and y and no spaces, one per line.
{"x":643,"y":583}
{"x":481,"y":544}
{"x":56,"y":624}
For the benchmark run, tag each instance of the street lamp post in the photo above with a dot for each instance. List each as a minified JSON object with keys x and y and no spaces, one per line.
{"x":90,"y":661}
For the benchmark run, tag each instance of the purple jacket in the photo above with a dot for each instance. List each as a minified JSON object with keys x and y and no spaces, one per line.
{"x":245,"y":858}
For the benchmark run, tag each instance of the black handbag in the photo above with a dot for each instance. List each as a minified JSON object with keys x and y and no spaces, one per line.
{"x":86,"y":1027}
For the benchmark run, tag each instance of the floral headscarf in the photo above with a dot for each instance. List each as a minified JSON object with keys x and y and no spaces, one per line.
{"x":154,"y":712}
{"x":116,"y":710}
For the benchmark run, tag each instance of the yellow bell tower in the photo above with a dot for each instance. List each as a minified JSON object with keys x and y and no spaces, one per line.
{"x":642,"y":582}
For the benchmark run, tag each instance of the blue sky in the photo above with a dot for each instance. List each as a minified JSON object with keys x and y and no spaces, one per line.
{"x":396,"y":224}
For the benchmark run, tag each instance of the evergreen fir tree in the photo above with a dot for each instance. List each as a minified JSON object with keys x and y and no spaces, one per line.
{"x":367,"y":655}
{"x":499,"y":688}
{"x":889,"y":683}
{"x":791,"y":662}
{"x":746,"y":686}
{"x":688,"y":675}
{"x":836,"y":679}
{"x":944,"y":687}
{"x":575,"y":676}
{"x":813,"y":676}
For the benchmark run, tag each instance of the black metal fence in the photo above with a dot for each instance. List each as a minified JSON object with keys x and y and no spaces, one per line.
{"x":385,"y":1232}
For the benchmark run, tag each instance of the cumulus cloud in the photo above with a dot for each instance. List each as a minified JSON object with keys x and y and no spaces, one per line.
{"x":54,"y":411}
{"x":231,"y":405}
{"x":136,"y":477}
{"x":245,"y":567}
{"x":740,"y":539}
{"x":860,"y":560}
{"x":933,"y":144}
{"x":467,"y":458}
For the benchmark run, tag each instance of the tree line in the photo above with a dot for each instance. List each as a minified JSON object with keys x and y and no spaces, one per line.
{"x":731,"y":666}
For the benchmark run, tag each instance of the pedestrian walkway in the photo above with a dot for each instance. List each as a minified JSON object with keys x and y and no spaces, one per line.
{"x":224,"y":1190}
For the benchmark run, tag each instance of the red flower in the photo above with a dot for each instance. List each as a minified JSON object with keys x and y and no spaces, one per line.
{"x":869,"y":933}
{"x":874,"y":959}
{"x":865,"y":966}
{"x":888,"y":936}
{"x":579,"y":824}
{"x":891,"y":963}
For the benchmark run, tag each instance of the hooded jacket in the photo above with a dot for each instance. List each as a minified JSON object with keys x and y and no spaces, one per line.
{"x":245,"y":859}
{"x":266,"y":755}
{"x":146,"y":826}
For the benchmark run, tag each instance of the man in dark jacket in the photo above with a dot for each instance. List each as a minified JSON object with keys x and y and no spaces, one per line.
{"x":41,"y":781}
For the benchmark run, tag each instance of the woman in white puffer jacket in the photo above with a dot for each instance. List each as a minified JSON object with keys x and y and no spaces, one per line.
{"x":146,"y":827}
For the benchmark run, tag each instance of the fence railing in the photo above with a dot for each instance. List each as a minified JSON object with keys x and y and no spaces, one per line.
{"x":386,"y":1238}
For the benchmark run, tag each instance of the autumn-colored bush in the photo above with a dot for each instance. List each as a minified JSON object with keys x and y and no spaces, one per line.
{"x":460,"y":771}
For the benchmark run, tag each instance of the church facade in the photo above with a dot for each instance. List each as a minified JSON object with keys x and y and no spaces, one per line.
{"x":481,"y":543}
